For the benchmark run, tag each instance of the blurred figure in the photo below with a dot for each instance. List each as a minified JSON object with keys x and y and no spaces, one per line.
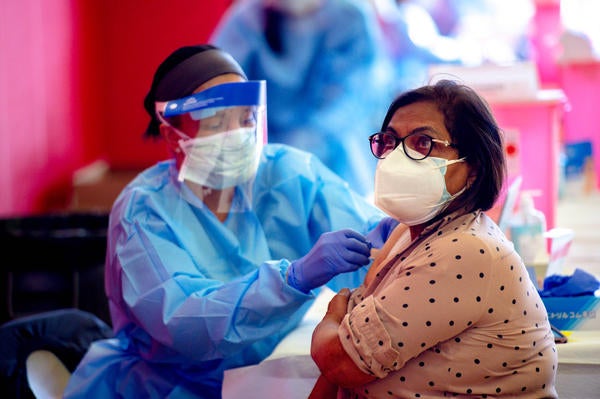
{"x":413,"y":42}
{"x":328,"y":78}
{"x":487,"y":31}
{"x":444,"y":13}
{"x":421,"y":33}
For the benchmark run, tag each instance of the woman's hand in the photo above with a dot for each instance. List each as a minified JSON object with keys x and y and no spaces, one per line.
{"x":338,"y":307}
{"x":327,"y":351}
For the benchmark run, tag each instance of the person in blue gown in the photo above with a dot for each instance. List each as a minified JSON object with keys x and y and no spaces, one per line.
{"x":216,"y":254}
{"x":413,"y":42}
{"x":328,"y":76}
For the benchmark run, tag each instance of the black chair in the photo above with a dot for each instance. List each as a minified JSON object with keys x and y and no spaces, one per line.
{"x":53,"y":262}
{"x":67,"y":333}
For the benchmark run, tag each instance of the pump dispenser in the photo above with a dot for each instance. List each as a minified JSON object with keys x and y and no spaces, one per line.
{"x":527,"y":230}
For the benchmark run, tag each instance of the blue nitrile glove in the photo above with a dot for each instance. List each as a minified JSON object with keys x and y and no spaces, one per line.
{"x":378,"y":236}
{"x":334,"y":253}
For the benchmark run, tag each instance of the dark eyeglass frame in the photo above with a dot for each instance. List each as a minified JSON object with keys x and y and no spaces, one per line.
{"x":397,"y":140}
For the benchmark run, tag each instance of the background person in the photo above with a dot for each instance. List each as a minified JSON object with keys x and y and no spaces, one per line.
{"x":447,"y":308}
{"x":216,"y":254}
{"x":413,"y":42}
{"x":327,"y":71}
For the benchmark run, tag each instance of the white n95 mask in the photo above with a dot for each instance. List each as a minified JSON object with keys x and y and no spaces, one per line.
{"x":221,"y":160}
{"x":412,"y":192}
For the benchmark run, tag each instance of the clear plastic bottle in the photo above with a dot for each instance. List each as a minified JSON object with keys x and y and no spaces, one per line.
{"x":527,"y":229}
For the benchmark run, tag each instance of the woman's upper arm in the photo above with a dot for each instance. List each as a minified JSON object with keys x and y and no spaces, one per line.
{"x":431,"y":297}
{"x":327,"y":351}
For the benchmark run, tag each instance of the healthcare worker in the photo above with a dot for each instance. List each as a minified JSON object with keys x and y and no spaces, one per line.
{"x":328,"y":76}
{"x":413,"y":42}
{"x":215,"y":255}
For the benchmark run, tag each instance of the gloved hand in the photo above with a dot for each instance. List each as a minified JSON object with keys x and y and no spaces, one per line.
{"x":381,"y":232}
{"x":334,"y":253}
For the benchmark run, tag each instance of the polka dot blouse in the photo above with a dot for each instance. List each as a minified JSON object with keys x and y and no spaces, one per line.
{"x":453,"y":315}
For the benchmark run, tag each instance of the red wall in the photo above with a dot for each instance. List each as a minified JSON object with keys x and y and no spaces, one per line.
{"x":140,"y":35}
{"x":73,"y":75}
{"x":40,"y":135}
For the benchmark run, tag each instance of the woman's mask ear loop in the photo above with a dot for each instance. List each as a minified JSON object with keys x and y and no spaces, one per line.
{"x":171,"y":137}
{"x":173,"y":142}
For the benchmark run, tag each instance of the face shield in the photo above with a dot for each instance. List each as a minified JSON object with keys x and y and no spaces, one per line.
{"x":221,"y":132}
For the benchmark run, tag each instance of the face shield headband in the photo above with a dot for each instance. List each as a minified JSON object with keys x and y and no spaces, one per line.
{"x":209,"y":102}
{"x":222,"y":131}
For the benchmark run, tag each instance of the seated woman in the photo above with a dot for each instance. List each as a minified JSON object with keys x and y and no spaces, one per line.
{"x":447,"y":308}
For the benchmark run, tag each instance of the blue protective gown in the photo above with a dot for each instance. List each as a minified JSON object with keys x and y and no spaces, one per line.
{"x":328,"y":87}
{"x":191,"y":296}
{"x":414,"y":43}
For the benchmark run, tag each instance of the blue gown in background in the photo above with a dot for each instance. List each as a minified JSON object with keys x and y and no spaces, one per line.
{"x":190,"y":296}
{"x":413,"y":42}
{"x":329,"y":80}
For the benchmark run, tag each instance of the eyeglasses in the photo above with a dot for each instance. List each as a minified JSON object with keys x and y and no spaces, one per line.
{"x":416,"y":146}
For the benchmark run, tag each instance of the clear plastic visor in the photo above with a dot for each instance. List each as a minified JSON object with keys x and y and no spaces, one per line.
{"x":222,"y":131}
{"x":219,"y":109}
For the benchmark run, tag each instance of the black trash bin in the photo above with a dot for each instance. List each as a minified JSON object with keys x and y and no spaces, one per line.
{"x":52,"y":262}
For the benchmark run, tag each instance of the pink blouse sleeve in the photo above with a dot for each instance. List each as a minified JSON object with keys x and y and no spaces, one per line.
{"x":431,"y":296}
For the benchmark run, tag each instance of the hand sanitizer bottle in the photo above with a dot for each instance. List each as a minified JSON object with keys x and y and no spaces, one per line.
{"x":527,"y":230}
